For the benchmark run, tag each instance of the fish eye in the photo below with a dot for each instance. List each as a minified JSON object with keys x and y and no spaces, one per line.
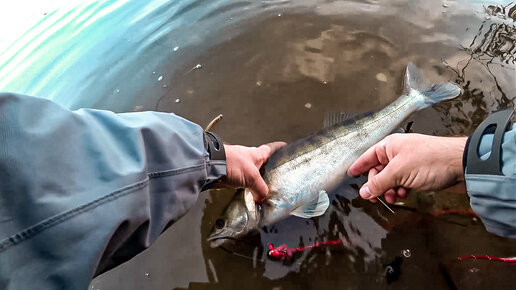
{"x":220,"y":223}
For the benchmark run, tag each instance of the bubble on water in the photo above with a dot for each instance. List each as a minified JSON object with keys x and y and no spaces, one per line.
{"x":153,"y":72}
{"x":160,"y":78}
{"x":279,"y":14}
{"x":445,"y":5}
{"x":176,"y":48}
{"x":178,"y":100}
{"x":325,"y":82}
{"x":259,"y":83}
{"x":406,"y":253}
{"x":198,"y":66}
{"x":147,"y":274}
{"x":308,"y":105}
{"x":381,"y":77}
{"x":474,"y":270}
{"x":118,"y":91}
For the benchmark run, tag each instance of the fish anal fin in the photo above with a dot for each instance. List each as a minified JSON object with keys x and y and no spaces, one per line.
{"x":316,"y":207}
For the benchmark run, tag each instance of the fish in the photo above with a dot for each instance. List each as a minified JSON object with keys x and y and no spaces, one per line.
{"x":300,"y":174}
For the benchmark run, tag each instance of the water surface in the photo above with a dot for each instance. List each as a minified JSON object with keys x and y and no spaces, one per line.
{"x":274,"y":69}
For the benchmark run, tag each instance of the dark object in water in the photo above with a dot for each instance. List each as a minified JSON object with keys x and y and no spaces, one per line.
{"x":393,"y":270}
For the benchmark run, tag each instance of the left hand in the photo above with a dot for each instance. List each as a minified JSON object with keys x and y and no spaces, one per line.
{"x":243,"y":167}
{"x":402,"y":162}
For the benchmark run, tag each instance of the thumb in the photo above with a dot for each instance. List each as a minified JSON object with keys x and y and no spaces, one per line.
{"x":259,"y":189}
{"x":379,"y":183}
{"x":263,"y":153}
{"x":266,"y":150}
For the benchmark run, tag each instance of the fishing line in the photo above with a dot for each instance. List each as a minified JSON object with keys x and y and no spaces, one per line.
{"x":385,"y":204}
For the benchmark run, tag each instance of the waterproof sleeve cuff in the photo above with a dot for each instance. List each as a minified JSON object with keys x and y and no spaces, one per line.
{"x":493,"y":197}
{"x":216,"y":168}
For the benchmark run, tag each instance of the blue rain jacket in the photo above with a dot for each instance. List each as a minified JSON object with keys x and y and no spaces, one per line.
{"x":83,"y":191}
{"x":493,"y":197}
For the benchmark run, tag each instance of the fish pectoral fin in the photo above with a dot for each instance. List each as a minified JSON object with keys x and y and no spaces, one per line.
{"x":249,"y":201}
{"x":315,"y":208}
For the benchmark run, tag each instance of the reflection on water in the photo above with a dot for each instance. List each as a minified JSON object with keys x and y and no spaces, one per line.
{"x":274,"y":69}
{"x":490,"y":62}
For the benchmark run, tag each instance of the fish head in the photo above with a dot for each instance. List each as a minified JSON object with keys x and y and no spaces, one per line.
{"x":239,"y":218}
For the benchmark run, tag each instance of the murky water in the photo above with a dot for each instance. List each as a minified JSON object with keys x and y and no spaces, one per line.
{"x":274,"y":69}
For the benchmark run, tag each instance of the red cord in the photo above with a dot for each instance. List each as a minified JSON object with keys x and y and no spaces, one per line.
{"x":283,"y":252}
{"x":486,"y":257}
{"x":451,"y":211}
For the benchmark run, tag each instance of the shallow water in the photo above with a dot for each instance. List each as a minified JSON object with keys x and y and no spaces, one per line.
{"x":274,"y":69}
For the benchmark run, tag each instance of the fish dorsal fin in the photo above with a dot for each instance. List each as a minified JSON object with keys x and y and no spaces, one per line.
{"x":316,"y":207}
{"x":343,"y":118}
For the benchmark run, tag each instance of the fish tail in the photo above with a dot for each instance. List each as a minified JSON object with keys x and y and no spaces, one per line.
{"x":433,"y":93}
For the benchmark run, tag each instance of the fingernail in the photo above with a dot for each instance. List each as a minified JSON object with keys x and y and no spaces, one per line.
{"x":352,"y":175}
{"x":365,"y":193}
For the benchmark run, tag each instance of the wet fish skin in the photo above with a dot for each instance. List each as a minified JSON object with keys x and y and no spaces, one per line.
{"x":299,"y":174}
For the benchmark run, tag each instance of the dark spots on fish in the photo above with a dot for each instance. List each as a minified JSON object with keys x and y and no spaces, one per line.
{"x":265,"y":230}
{"x":220,"y":223}
{"x":393,"y":270}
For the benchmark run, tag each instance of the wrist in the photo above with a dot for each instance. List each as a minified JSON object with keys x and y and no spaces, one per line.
{"x":455,"y":149}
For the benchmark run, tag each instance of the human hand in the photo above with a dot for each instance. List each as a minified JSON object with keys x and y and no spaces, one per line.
{"x":401,"y":162}
{"x":243,"y":167}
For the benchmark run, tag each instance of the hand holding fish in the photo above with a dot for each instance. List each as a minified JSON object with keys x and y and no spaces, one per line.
{"x":243,"y":167}
{"x":401,"y":162}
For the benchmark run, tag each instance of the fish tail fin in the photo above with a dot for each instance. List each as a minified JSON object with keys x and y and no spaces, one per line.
{"x":433,"y":93}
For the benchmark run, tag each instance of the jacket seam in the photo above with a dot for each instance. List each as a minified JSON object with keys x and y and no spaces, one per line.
{"x":171,"y":172}
{"x":62,"y":217}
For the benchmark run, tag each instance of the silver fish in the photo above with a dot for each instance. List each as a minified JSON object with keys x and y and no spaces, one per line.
{"x":299,"y":174}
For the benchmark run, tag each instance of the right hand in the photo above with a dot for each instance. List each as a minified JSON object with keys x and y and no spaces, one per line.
{"x":402,"y":162}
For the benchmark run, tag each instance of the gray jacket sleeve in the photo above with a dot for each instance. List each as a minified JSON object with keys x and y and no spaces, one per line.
{"x":493,"y":197}
{"x":84,"y":191}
